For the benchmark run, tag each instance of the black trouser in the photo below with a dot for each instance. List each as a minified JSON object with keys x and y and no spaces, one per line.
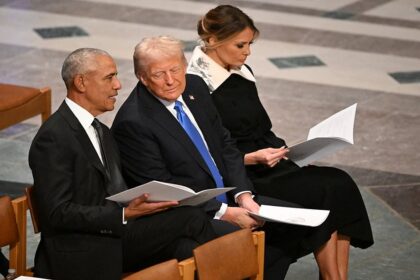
{"x":170,"y":234}
{"x":4,"y":264}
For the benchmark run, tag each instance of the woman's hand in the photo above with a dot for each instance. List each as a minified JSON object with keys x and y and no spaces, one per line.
{"x":267,"y":156}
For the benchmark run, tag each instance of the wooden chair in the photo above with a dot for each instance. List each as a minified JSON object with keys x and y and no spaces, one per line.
{"x":32,"y":208}
{"x":13,"y":231}
{"x":233,"y":256}
{"x":18,"y":103}
{"x":167,"y":270}
{"x":185,"y":269}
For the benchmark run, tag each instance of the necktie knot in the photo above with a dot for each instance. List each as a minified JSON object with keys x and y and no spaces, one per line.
{"x":96,"y":124}
{"x":178,"y":105}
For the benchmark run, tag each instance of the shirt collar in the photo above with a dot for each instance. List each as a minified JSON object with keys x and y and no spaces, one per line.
{"x":85,"y":118}
{"x":211,"y":72}
{"x":171,"y":104}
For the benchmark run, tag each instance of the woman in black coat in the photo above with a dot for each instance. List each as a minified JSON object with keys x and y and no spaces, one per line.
{"x":226,"y":34}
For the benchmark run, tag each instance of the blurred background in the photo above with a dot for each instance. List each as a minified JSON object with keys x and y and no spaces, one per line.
{"x":313,"y":59}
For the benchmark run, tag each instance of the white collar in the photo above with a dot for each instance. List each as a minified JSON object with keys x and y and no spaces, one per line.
{"x":170,"y":104}
{"x":211,"y":72}
{"x":85,"y":118}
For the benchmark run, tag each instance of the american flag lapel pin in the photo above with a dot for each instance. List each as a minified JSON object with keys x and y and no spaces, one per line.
{"x":191,"y":97}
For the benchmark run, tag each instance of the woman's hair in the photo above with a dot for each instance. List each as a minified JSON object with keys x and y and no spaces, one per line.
{"x":154,"y":48}
{"x":224,"y":22}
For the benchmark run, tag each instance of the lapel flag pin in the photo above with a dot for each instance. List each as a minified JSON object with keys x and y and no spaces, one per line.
{"x":191,"y":97}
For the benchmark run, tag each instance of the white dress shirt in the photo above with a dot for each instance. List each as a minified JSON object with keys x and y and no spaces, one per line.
{"x":85,"y":118}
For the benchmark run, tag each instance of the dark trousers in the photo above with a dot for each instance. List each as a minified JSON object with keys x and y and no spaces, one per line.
{"x":4,"y":264}
{"x":170,"y":234}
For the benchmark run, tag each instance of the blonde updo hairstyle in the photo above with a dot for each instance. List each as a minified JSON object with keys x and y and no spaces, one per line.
{"x":223,"y":23}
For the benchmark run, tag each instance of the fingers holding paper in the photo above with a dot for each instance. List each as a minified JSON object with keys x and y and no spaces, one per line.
{"x":267,"y":156}
{"x":239,"y":216}
{"x":141,"y":207}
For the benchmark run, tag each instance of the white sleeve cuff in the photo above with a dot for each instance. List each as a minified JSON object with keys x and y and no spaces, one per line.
{"x":238,"y":194}
{"x":124,"y":221}
{"x":221,"y":211}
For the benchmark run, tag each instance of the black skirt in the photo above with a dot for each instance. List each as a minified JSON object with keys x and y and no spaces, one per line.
{"x":318,"y":188}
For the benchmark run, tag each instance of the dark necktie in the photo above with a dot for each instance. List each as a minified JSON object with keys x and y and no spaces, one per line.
{"x":116,"y":182}
{"x":198,"y":141}
{"x":97,"y":126}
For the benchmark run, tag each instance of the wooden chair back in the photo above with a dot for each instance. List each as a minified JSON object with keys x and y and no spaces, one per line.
{"x":18,"y":103}
{"x":32,"y":208}
{"x":9,"y":233}
{"x":167,"y":270}
{"x":13,"y":231}
{"x":234,"y":256}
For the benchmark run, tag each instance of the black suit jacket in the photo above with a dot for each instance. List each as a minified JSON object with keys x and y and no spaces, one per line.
{"x":81,"y":231}
{"x":154,"y":146}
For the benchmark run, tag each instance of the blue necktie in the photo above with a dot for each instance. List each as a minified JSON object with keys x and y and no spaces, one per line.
{"x":195,"y":136}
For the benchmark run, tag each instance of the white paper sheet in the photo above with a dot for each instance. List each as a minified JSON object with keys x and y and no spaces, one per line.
{"x":28,"y":278}
{"x":289,"y":215}
{"x":326,"y":137}
{"x":161,"y":191}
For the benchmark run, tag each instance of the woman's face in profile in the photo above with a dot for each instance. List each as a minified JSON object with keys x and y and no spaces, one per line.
{"x":233,"y":52}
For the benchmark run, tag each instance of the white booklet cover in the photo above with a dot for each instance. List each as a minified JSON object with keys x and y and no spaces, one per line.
{"x":28,"y":278}
{"x":290,"y":215}
{"x":325,"y":138}
{"x":161,"y":191}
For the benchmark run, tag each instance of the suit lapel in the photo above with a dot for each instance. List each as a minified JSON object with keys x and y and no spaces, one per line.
{"x":84,"y":141}
{"x":156,"y":110}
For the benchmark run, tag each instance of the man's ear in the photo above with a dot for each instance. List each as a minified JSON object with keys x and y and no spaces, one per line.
{"x":143,"y":79}
{"x":79,"y":83}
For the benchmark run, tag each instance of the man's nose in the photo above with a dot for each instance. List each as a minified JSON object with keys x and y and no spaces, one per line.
{"x":117,"y":84}
{"x":168,"y":78}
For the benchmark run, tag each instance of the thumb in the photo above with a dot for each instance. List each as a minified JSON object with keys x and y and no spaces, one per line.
{"x":140,"y":199}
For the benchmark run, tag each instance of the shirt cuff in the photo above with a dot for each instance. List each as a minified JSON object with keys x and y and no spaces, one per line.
{"x":221,"y":211}
{"x":239,"y":193}
{"x":124,"y":221}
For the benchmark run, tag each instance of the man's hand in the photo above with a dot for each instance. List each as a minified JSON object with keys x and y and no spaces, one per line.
{"x":267,"y":156}
{"x":246,"y":201}
{"x":239,"y":216}
{"x":140,"y":207}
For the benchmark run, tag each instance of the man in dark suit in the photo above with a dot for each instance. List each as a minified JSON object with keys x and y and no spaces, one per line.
{"x":155,"y":144}
{"x":75,"y":165}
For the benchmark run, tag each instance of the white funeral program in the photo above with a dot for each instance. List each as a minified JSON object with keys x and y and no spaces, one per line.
{"x":325,"y":138}
{"x":161,"y":191}
{"x":290,"y":215}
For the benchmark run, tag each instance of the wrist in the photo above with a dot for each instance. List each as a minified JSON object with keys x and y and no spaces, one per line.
{"x":243,"y":198}
{"x":249,"y":159}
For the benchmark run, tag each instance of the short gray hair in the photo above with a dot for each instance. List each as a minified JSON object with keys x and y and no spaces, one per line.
{"x":80,"y":61}
{"x":154,"y":48}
